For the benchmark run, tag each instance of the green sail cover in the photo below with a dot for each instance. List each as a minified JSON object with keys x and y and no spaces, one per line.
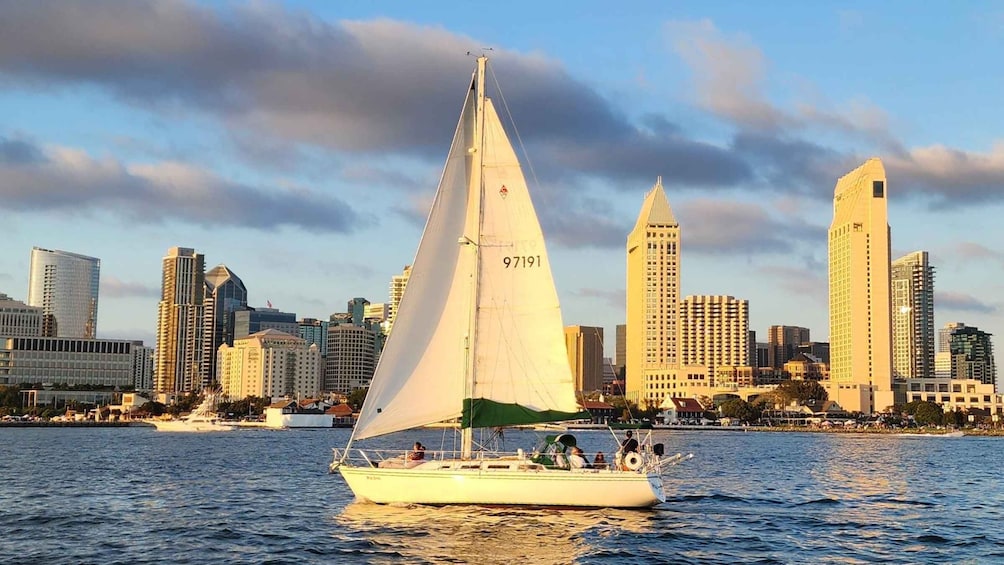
{"x":483,"y":413}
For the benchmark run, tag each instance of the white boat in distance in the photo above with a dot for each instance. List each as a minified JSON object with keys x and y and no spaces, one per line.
{"x":479,"y":337}
{"x":202,"y":419}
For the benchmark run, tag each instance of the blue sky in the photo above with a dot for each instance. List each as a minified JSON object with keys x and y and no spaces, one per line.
{"x":300,"y":143}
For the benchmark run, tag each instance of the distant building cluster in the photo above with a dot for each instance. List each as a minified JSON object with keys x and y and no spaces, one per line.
{"x":881,"y":320}
{"x":881,"y":347}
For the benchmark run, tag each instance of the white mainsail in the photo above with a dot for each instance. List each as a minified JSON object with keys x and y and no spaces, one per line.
{"x":480,"y":286}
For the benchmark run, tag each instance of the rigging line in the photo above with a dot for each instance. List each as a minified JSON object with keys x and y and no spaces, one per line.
{"x":515,"y":130}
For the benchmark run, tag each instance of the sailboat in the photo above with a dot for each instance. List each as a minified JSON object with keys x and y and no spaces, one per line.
{"x":203,"y":419}
{"x":478,"y":338}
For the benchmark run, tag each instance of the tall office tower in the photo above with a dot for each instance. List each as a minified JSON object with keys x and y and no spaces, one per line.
{"x":620,"y":349}
{"x":65,"y":286}
{"x":973,"y":355}
{"x":17,"y":319}
{"x":713,"y":332}
{"x":377,"y":312}
{"x":315,"y":331}
{"x":225,"y":294}
{"x":653,"y":291}
{"x":585,"y":356}
{"x":783,"y":342}
{"x":860,"y":328}
{"x":945,"y":335}
{"x":179,"y":322}
{"x":751,"y":349}
{"x":912,"y":284}
{"x":352,"y":357}
{"x":397,"y":285}
{"x":762,"y":355}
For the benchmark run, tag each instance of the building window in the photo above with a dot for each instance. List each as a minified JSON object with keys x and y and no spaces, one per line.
{"x":878,"y":189}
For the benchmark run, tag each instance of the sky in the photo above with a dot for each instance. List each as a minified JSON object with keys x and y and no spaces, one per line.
{"x":300,"y":143}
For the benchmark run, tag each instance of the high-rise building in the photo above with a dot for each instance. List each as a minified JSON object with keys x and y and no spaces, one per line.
{"x":142,"y":366}
{"x":270,"y":364}
{"x":17,"y":319}
{"x":65,"y":286}
{"x":253,"y":320}
{"x":315,"y":331}
{"x":620,"y":349}
{"x":585,"y":356}
{"x":653,"y":291}
{"x":66,"y":361}
{"x":713,"y":332}
{"x":945,"y":335}
{"x":783,"y":342}
{"x":859,"y":265}
{"x":352,"y":357}
{"x":397,"y":285}
{"x":973,"y":355}
{"x":180,"y":322}
{"x":912,"y":284}
{"x":225,"y":294}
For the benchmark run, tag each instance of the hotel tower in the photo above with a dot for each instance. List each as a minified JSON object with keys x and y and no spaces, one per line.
{"x":653,"y":291}
{"x":179,"y":322}
{"x":860,"y":306}
{"x":65,"y":286}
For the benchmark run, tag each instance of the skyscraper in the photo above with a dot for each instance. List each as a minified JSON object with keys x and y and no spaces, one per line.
{"x":945,"y":335}
{"x":783,"y":342}
{"x":653,"y":291}
{"x":714,"y":331}
{"x":179,"y":322}
{"x":973,"y":356}
{"x":585,"y":356}
{"x":912,"y":317}
{"x":397,"y":285}
{"x":225,"y":294}
{"x":65,"y":286}
{"x":860,"y":326}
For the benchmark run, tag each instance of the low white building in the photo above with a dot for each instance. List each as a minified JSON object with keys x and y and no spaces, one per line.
{"x":269,"y":364}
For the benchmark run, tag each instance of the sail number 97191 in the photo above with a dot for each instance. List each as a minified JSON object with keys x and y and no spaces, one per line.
{"x":521,"y":261}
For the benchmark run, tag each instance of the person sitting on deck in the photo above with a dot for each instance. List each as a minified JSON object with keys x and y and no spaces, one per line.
{"x":417,"y":452}
{"x":630,"y":444}
{"x":576,"y":460}
{"x":599,"y":462}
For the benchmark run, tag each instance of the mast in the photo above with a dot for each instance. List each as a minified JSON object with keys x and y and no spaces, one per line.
{"x":476,"y":192}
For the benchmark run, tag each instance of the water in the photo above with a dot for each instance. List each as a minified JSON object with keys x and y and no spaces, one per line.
{"x":132,"y":495}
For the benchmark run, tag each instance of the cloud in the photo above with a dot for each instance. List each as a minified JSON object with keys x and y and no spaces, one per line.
{"x":113,"y":287}
{"x":69,"y":180}
{"x":798,"y":281}
{"x":720,"y":227}
{"x":614,"y":298}
{"x":968,"y":251}
{"x":729,"y":76}
{"x":372,"y":87}
{"x":961,"y":302}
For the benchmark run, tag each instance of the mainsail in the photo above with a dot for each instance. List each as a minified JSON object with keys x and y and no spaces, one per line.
{"x":478,"y":334}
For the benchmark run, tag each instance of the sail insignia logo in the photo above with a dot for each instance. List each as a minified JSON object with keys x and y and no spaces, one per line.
{"x":503,"y":192}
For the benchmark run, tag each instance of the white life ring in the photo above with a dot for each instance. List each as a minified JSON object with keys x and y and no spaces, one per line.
{"x":632,"y":461}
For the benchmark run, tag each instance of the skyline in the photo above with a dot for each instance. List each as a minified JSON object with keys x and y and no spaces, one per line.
{"x":312,"y":135}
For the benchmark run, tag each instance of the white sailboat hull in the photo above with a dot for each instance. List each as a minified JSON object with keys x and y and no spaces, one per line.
{"x":545,"y":487}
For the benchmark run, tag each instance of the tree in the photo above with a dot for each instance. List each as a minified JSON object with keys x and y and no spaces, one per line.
{"x":928,"y":414}
{"x":739,"y":409}
{"x":803,"y":392}
{"x":152,"y":408}
{"x":357,"y":397}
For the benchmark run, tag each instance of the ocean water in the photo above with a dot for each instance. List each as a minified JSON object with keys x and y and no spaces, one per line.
{"x":132,"y":495}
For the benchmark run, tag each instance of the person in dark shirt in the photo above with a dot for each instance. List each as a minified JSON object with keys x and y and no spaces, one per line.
{"x":417,"y":452}
{"x":630,"y":444}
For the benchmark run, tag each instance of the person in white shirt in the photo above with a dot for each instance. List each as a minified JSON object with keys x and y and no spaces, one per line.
{"x":576,"y":460}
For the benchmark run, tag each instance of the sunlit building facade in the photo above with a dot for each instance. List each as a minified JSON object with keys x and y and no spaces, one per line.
{"x":585,"y":356}
{"x":270,"y":364}
{"x":397,"y":286}
{"x":653,"y":292}
{"x":18,"y":319}
{"x":912,"y":317}
{"x":65,"y":286}
{"x":859,"y":265}
{"x":713,"y":332}
{"x":180,"y":322}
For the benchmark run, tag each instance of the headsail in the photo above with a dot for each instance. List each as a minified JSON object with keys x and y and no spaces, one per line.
{"x":481,"y":271}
